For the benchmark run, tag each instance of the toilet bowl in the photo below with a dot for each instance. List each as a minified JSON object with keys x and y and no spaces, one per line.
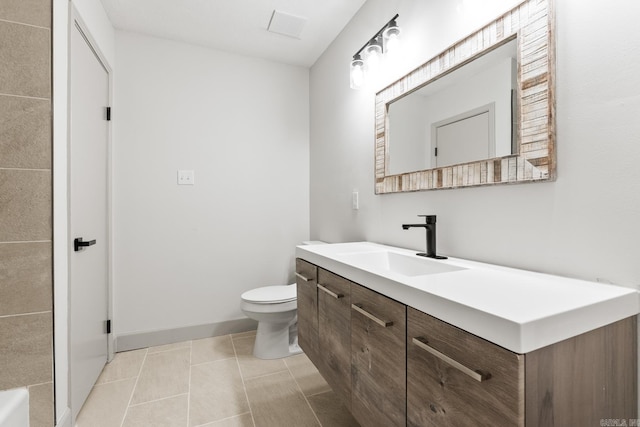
{"x":275,"y":309}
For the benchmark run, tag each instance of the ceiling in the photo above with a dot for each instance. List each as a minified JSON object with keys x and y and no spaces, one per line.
{"x":238,"y":26}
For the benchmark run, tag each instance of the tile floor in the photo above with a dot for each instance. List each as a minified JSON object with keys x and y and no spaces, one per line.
{"x":211,"y":382}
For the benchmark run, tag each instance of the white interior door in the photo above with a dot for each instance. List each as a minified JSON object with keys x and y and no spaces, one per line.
{"x":464,"y":140}
{"x":88,"y":216}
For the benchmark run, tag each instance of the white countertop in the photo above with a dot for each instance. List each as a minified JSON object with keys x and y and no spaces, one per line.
{"x":516,"y":309}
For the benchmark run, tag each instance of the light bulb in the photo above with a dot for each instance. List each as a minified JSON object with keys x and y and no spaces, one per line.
{"x":373,"y":60}
{"x":390,"y":36}
{"x":373,"y":53}
{"x":357,"y":73}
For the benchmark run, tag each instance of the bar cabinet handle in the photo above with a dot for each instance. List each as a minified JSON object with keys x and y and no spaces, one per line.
{"x":300,"y":276}
{"x":359,"y":309}
{"x":329,"y":292}
{"x":424,"y":344}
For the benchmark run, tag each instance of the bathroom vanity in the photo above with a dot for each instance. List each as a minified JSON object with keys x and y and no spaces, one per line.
{"x":405,"y":340}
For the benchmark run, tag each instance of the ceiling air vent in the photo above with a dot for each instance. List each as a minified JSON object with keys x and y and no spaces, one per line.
{"x":286,"y":24}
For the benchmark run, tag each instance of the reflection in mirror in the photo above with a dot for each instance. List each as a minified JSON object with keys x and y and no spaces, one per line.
{"x":466,"y":115}
{"x":517,"y":123}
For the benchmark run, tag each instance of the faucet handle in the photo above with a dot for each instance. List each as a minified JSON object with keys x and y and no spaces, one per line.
{"x":430,"y":219}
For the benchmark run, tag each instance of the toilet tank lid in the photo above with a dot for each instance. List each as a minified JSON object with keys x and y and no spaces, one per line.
{"x":271,"y":294}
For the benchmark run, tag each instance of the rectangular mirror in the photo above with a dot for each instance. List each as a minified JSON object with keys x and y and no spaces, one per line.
{"x":465,"y":116}
{"x":481,"y":112}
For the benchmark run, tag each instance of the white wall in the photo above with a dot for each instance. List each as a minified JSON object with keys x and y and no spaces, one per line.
{"x":184,"y":254}
{"x":583,"y":225}
{"x":95,"y":18}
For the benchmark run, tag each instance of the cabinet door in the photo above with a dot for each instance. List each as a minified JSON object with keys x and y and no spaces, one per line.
{"x":306,"y":279}
{"x":378,"y":359}
{"x":334,"y":323}
{"x":457,"y":379}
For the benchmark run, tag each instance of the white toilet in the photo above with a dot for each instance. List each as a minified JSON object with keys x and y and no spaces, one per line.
{"x":275,"y":309}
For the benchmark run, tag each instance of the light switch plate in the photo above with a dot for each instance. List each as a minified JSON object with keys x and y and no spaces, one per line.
{"x":186,"y":177}
{"x":355,"y":202}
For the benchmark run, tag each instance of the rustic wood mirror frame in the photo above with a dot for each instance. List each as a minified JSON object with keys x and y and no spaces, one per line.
{"x":532,"y":22}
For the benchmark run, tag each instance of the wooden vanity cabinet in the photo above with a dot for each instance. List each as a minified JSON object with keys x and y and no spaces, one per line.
{"x":457,"y":379}
{"x":334,"y":318}
{"x":307,"y":294}
{"x":394,"y":365}
{"x":378,"y":359}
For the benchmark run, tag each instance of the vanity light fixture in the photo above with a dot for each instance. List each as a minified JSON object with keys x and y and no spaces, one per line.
{"x":382,"y":42}
{"x":357,"y":72}
{"x":373,"y":52}
{"x":391,"y":36}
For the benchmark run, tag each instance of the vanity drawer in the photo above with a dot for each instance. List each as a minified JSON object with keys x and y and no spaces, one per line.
{"x":307,"y":294}
{"x":455,"y":378}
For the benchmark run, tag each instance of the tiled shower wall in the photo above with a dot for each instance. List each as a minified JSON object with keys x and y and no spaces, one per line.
{"x":26,"y":316}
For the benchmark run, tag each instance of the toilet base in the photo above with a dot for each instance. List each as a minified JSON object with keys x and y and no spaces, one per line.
{"x":276,"y":340}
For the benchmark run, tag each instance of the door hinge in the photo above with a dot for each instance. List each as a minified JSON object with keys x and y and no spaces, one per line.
{"x":108,"y":326}
{"x":108,"y":114}
{"x":436,"y":151}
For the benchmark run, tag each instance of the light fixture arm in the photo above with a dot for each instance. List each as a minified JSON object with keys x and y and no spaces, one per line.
{"x":375,"y":36}
{"x":373,"y":49}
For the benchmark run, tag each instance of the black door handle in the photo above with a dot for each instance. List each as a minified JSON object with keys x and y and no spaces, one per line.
{"x":78,"y":244}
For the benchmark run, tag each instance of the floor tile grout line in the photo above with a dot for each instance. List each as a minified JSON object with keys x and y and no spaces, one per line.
{"x":269,"y":374}
{"x":302,"y":393}
{"x":213,"y":361}
{"x":115,"y":381}
{"x":244,"y":385}
{"x":223,"y":419}
{"x":157,"y":400}
{"x":144,"y":359}
{"x":170,"y":349}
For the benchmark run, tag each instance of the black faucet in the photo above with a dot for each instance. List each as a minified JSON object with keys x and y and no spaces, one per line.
{"x":430,"y":226}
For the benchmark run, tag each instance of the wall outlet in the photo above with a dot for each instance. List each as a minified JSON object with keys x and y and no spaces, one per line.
{"x":355,"y":201}
{"x":186,"y":177}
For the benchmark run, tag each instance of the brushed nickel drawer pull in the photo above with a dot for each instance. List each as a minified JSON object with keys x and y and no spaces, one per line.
{"x":329,"y":292}
{"x":300,"y":276}
{"x":359,"y":309}
{"x":423,"y":344}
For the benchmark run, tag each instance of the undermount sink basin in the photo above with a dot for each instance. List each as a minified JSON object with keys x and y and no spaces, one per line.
{"x":407,"y":265}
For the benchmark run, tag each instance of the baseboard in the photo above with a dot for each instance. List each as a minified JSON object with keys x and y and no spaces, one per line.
{"x":137,"y":340}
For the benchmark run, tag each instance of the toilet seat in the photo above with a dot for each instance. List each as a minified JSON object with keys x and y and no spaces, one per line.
{"x":270,"y":295}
